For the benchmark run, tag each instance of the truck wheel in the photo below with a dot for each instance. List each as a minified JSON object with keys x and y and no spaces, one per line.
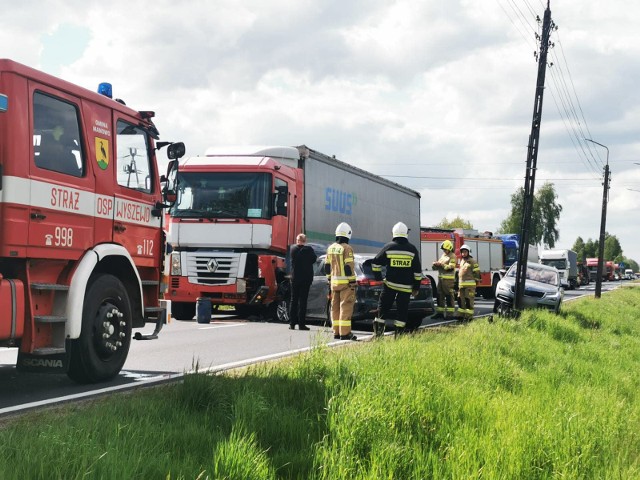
{"x":183,"y":310}
{"x":101,"y":350}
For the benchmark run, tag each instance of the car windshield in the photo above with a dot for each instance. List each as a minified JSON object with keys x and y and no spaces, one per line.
{"x":364,"y":268}
{"x":537,"y":274}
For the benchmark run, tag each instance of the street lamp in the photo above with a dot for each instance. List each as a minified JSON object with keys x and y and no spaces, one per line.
{"x":603,"y":222}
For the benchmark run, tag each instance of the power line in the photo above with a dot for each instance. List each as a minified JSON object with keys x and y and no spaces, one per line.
{"x":562,"y":95}
{"x":475,"y":179}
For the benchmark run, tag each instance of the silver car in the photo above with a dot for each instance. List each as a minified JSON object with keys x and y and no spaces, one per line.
{"x":542,"y":289}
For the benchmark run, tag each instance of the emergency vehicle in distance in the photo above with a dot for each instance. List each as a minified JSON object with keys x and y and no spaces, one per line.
{"x":81,"y":239}
{"x":487,"y":250}
{"x":240,"y":208}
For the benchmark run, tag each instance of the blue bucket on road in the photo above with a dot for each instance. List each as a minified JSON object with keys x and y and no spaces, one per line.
{"x":203,"y":310}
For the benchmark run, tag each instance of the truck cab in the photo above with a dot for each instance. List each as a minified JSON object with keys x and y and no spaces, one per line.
{"x":81,"y":239}
{"x":231,"y":226}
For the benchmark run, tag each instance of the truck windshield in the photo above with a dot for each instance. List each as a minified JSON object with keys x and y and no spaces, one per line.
{"x":559,"y":263}
{"x":510,"y":255}
{"x":223,"y":195}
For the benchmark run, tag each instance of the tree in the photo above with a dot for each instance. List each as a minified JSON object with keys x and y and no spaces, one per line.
{"x":578,"y":247}
{"x":547,"y":213}
{"x":612,"y":248}
{"x":591,"y":249}
{"x":457,"y":222}
{"x":512,"y":223}
{"x":544,"y":216}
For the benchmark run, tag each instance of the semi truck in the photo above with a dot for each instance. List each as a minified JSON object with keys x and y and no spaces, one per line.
{"x":607,"y":270}
{"x":81,"y":238}
{"x":487,"y":250}
{"x":566,"y":262}
{"x":240,"y":208}
{"x":511,"y":247}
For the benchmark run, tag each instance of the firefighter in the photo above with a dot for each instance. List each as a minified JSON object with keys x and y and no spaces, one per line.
{"x":446,"y":267}
{"x":468,"y":276}
{"x":402,"y":279}
{"x":340,"y":271}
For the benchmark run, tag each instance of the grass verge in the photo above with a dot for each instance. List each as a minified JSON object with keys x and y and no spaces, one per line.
{"x":542,"y":397}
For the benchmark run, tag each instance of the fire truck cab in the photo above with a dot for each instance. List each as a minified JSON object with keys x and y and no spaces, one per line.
{"x":81,"y":211}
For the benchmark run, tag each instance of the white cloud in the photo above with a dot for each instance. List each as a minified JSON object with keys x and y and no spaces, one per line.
{"x":426,"y":89}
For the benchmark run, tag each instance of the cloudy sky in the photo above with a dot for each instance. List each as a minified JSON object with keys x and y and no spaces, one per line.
{"x":435,"y":95}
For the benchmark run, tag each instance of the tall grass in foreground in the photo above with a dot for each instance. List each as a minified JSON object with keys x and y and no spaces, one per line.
{"x":542,"y":397}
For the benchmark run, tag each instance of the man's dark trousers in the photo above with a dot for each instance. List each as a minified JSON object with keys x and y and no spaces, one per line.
{"x":299,"y":296}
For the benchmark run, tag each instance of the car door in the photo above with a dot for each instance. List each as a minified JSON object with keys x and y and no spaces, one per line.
{"x":318,"y":292}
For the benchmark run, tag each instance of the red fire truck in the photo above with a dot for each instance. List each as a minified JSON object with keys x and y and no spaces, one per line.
{"x":486,"y":249}
{"x":81,"y":239}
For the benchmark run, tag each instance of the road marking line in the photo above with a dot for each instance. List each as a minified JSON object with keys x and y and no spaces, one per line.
{"x":222,"y":326}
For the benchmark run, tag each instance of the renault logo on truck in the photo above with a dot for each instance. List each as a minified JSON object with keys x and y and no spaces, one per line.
{"x":212,"y":265}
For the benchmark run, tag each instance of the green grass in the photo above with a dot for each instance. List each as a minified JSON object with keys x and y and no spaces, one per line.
{"x":543,"y":397}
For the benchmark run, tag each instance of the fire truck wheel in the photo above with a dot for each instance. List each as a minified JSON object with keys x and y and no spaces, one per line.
{"x":101,"y":350}
{"x":183,"y":310}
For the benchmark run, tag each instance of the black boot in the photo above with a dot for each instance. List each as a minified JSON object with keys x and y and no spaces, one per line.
{"x":348,"y":336}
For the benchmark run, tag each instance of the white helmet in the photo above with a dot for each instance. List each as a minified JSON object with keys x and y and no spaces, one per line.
{"x":343,"y":230}
{"x":400,"y":230}
{"x":465,"y":247}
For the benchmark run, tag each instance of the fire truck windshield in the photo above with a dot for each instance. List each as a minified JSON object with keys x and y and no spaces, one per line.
{"x":223,"y":195}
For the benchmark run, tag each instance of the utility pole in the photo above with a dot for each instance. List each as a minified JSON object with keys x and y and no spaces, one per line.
{"x":532,"y":160}
{"x":603,"y":222}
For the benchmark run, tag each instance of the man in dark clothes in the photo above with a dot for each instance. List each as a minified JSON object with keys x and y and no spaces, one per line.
{"x":302,"y":259}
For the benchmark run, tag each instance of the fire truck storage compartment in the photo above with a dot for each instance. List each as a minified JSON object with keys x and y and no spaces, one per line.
{"x":11,"y":309}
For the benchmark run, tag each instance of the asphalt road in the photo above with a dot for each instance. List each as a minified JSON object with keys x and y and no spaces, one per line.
{"x":226,"y":342}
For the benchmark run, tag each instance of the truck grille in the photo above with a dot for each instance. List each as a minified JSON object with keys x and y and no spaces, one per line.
{"x":212,"y":268}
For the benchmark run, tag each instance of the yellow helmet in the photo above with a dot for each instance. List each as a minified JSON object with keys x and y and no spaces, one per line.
{"x":447,"y":246}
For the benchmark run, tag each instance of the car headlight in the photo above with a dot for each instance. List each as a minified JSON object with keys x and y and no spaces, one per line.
{"x":501,"y":287}
{"x":176,"y":267}
{"x":553,"y":296}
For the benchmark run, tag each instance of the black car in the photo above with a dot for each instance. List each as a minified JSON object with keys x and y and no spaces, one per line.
{"x":367,"y":294}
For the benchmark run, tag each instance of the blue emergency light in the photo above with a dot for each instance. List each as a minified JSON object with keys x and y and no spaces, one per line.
{"x":4,"y":103}
{"x":105,"y":89}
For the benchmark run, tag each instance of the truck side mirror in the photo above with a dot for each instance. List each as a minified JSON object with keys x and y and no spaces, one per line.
{"x":176,"y":150}
{"x":170,"y":182}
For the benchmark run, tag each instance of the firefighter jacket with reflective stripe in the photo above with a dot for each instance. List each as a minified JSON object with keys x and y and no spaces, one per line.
{"x":339,"y":266}
{"x":402,"y":260}
{"x":469,"y":272}
{"x":447,"y":268}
